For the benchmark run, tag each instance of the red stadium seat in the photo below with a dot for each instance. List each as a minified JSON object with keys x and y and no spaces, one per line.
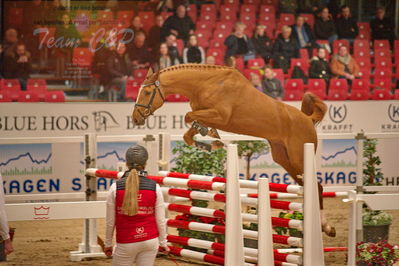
{"x":205,"y":25}
{"x":256,"y":63}
{"x":362,"y":44}
{"x":318,"y":87}
{"x":359,"y":95}
{"x":132,"y":89}
{"x":293,"y":95}
{"x":279,"y":74}
{"x":217,"y":53}
{"x":54,"y":96}
{"x":248,"y":72}
{"x":36,"y":84}
{"x":82,"y":57}
{"x":209,"y":16}
{"x":381,"y":94}
{"x":361,"y":53}
{"x":303,"y":54}
{"x":267,"y":10}
{"x":11,"y":85}
{"x":252,"y":2}
{"x":125,"y":15}
{"x":309,"y":18}
{"x":268,"y":20}
{"x":14,"y":16}
{"x":339,"y":84}
{"x":240,"y":64}
{"x":364,"y":62}
{"x":224,"y":25}
{"x":28,"y":96}
{"x":203,"y":34}
{"x":294,"y":85}
{"x":235,"y":3}
{"x":300,"y":62}
{"x":338,"y":90}
{"x":208,"y":8}
{"x":248,"y":9}
{"x":217,"y":44}
{"x":165,"y":15}
{"x":221,"y":34}
{"x":382,"y":83}
{"x":140,"y":74}
{"x":383,"y":62}
{"x":105,"y":15}
{"x":360,"y":90}
{"x":192,"y":12}
{"x":382,"y":73}
{"x":364,"y":72}
{"x":339,"y":43}
{"x":176,"y":98}
{"x":248,"y":19}
{"x":180,"y":46}
{"x":396,"y":96}
{"x":381,"y":44}
{"x":147,"y":18}
{"x":363,"y":25}
{"x":5,"y":96}
{"x":228,"y":13}
{"x":286,"y":19}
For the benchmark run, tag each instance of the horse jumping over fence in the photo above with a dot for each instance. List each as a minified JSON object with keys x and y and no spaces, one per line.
{"x":222,"y":98}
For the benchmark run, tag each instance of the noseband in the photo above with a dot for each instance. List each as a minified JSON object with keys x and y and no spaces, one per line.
{"x":147,"y":107}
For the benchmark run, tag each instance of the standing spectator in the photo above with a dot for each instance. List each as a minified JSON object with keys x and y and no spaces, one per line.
{"x":238,"y":44}
{"x":10,"y":40}
{"x":285,"y":47}
{"x":256,"y":82}
{"x":382,"y":27}
{"x":180,"y":24}
{"x":154,"y":35}
{"x":17,"y":65}
{"x":136,"y":211}
{"x":262,"y":43}
{"x":66,"y":32}
{"x":165,"y":60}
{"x":303,"y":34}
{"x":138,"y":52}
{"x":344,"y":66}
{"x":4,"y":230}
{"x":136,"y":25}
{"x":288,"y":6}
{"x":119,"y":69}
{"x":172,"y":49}
{"x":346,"y":25}
{"x":271,"y":85}
{"x":193,"y":53}
{"x":324,"y":27}
{"x":210,"y":60}
{"x":319,"y":67}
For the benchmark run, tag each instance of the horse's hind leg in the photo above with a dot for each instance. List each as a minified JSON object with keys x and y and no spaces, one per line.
{"x":280,"y":156}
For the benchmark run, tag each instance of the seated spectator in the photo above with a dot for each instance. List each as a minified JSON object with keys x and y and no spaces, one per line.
{"x":288,"y":6}
{"x":382,"y":27}
{"x":165,"y":59}
{"x":303,"y":34}
{"x":193,"y":53}
{"x":180,"y":24}
{"x":154,"y":35}
{"x":285,"y":47}
{"x":210,"y":60}
{"x":319,"y":66}
{"x":324,"y":27}
{"x":135,"y":25}
{"x":10,"y":40}
{"x":262,"y":43}
{"x":138,"y":52}
{"x":118,"y":66}
{"x":172,"y":49}
{"x":271,"y":85}
{"x":346,"y":25}
{"x":344,"y":66}
{"x":238,"y":44}
{"x":17,"y":65}
{"x":256,"y":82}
{"x":66,"y":32}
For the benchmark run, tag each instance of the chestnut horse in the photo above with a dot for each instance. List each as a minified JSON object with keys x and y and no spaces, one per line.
{"x":222,"y":98}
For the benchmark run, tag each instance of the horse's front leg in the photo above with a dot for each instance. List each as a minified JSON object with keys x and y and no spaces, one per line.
{"x":189,"y":136}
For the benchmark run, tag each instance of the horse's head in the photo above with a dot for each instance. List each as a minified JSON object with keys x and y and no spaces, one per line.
{"x":149,"y":99}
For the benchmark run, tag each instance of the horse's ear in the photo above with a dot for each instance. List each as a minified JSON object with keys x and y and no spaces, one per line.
{"x":150,"y":72}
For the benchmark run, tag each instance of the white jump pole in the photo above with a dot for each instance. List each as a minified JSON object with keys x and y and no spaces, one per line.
{"x":313,"y":241}
{"x":234,"y":249}
{"x":265,"y":241}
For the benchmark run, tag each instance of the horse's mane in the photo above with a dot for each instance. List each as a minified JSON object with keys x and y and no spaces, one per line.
{"x":195,"y":67}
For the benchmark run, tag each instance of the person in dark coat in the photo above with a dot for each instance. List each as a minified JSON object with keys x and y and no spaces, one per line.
{"x":136,"y":25}
{"x":238,"y":44}
{"x":138,"y":52}
{"x":262,"y":43}
{"x":382,"y":27}
{"x":303,"y":34}
{"x":154,"y":35}
{"x":285,"y":47}
{"x":319,"y":66}
{"x":324,"y":27}
{"x":119,"y":70}
{"x":193,"y":53}
{"x":271,"y":85}
{"x":180,"y":24}
{"x":172,"y":49}
{"x":346,"y":25}
{"x":17,"y":65}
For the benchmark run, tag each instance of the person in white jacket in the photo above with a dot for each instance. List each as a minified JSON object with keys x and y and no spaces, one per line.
{"x":4,"y":230}
{"x":136,"y":211}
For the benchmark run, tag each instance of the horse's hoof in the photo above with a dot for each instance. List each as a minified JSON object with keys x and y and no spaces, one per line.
{"x":213,"y":133}
{"x":329,"y":230}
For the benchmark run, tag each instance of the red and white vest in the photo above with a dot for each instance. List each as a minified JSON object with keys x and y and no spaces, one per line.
{"x":141,"y":226}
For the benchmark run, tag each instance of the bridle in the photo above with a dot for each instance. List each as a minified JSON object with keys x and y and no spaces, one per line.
{"x":147,"y":107}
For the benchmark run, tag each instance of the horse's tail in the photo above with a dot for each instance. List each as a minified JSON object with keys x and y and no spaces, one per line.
{"x":314,"y":107}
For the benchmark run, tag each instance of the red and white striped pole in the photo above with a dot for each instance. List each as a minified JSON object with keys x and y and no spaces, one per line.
{"x":296,"y":196}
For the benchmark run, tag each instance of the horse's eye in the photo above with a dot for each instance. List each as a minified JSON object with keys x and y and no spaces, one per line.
{"x":147,"y":93}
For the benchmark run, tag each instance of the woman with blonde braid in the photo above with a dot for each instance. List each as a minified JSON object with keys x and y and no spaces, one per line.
{"x":135,"y":209}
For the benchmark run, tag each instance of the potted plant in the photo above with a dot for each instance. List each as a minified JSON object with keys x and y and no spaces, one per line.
{"x":290,"y":231}
{"x":373,"y":254}
{"x":375,"y":223}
